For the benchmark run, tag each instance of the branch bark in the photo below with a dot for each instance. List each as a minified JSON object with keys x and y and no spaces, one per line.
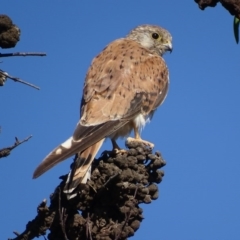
{"x":15,"y":79}
{"x":23,"y":54}
{"x":9,"y":36}
{"x":4,"y":152}
{"x":109,"y":202}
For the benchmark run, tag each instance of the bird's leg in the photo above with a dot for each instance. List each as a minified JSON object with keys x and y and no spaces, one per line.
{"x":115,"y":145}
{"x":115,"y":149}
{"x":138,"y":138}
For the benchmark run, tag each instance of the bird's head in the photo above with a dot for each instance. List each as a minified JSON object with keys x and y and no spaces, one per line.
{"x":156,"y":39}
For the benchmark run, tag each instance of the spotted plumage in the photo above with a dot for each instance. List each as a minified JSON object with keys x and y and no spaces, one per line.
{"x":123,"y":87}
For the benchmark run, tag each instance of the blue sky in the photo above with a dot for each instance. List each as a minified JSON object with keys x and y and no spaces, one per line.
{"x":197,"y":129}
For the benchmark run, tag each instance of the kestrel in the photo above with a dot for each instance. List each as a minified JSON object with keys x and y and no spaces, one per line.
{"x":123,"y":87}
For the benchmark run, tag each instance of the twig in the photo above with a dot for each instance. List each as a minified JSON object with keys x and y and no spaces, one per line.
{"x":18,"y":80}
{"x":6,"y":151}
{"x":16,"y":233}
{"x":110,"y":179}
{"x":22,"y":54}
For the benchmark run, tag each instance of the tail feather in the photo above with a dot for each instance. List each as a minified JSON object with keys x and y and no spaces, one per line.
{"x":81,"y":170}
{"x":60,"y":153}
{"x":82,"y":139}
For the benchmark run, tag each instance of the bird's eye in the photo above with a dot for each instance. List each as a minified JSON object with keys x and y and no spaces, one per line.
{"x":155,"y":35}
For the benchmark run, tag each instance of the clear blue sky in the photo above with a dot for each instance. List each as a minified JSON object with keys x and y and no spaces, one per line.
{"x":197,"y":129}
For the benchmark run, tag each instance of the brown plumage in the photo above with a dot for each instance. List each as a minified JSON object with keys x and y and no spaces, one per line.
{"x":124,"y":85}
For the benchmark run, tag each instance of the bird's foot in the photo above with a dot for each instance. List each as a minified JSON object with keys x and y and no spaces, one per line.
{"x":138,"y":141}
{"x":114,"y":152}
{"x":119,"y":151}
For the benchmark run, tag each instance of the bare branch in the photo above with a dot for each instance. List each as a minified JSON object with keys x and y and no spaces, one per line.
{"x":102,"y":209}
{"x":16,"y":233}
{"x":4,"y":152}
{"x":38,"y":226}
{"x":22,"y":54}
{"x":18,"y":80}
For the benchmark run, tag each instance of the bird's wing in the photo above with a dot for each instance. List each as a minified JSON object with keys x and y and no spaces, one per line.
{"x":124,"y":80}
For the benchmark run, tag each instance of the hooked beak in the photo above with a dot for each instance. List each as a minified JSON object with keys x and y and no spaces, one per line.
{"x":169,"y":47}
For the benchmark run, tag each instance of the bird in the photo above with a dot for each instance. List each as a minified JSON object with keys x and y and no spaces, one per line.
{"x":124,"y":85}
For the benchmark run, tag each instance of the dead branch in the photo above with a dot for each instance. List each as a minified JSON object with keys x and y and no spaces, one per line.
{"x":9,"y":36}
{"x":23,"y":54}
{"x":102,"y":211}
{"x":16,"y":79}
{"x":4,"y":152}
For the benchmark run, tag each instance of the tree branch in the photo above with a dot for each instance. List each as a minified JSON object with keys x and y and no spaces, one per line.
{"x":102,"y":211}
{"x":16,"y":79}
{"x":4,"y":152}
{"x":23,"y":54}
